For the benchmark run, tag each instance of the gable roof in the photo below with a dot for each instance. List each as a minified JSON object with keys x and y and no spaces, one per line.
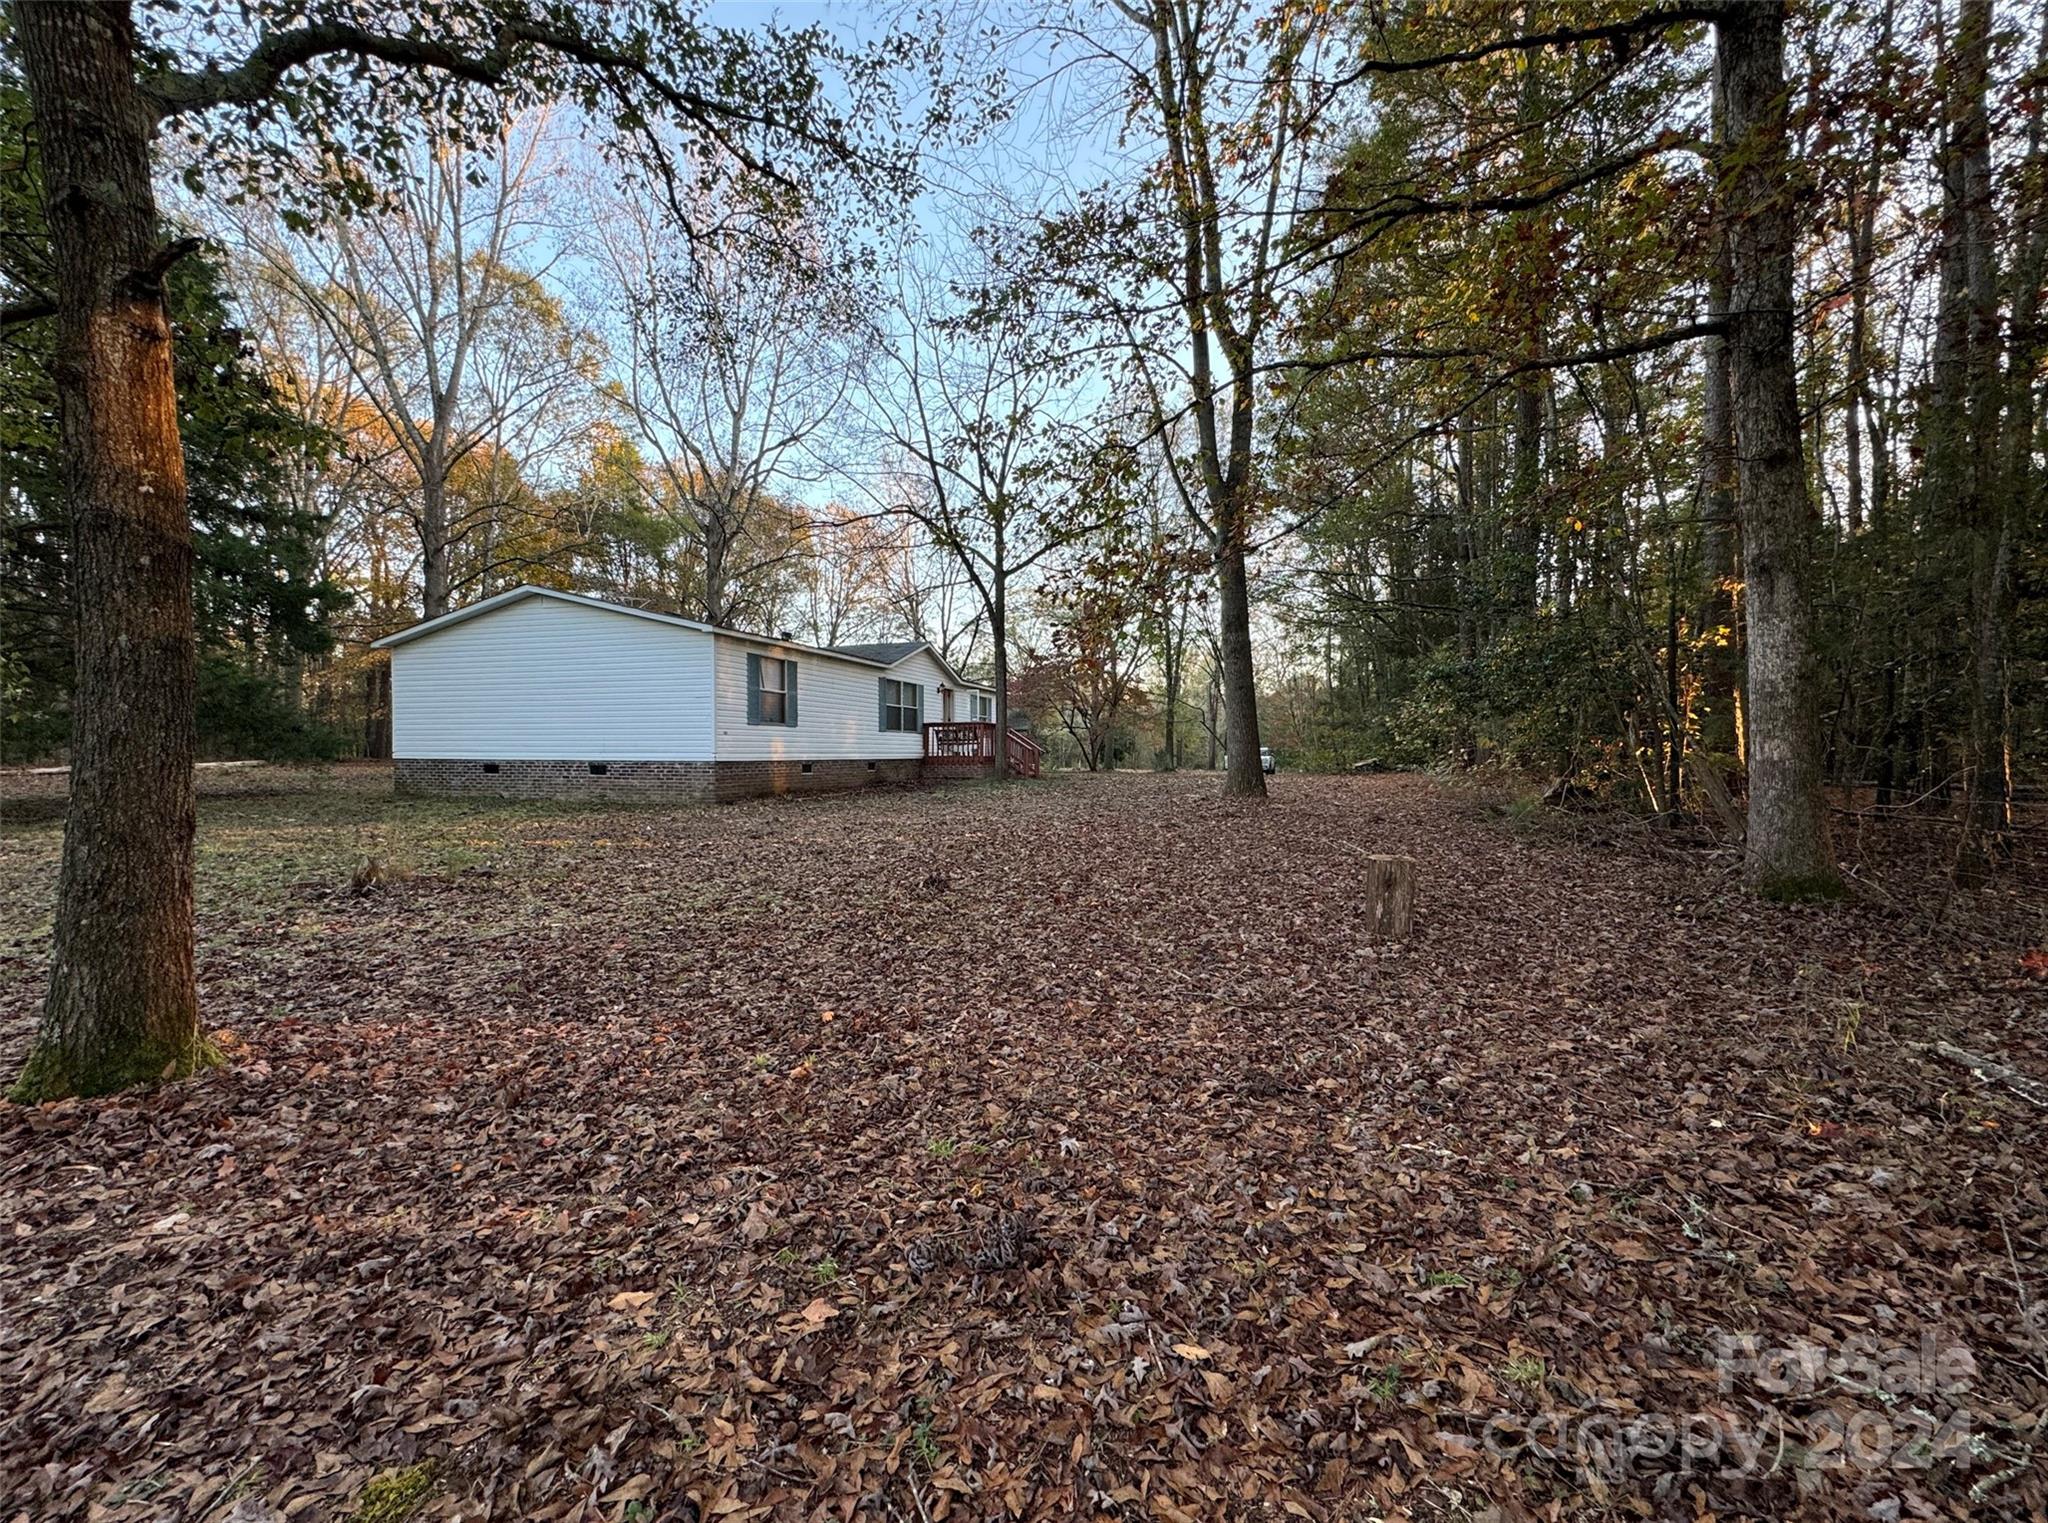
{"x":888,"y":652}
{"x":881,"y":653}
{"x":891,"y":652}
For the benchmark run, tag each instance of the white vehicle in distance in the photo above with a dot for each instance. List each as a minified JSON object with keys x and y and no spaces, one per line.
{"x":1266,"y":762}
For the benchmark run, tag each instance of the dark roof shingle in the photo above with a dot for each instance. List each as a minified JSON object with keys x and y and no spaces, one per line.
{"x":888,"y":652}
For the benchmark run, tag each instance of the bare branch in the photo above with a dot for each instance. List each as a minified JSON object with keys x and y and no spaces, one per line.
{"x":1529,"y":42}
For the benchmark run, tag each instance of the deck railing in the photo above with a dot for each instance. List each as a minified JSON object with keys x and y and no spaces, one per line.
{"x":959,"y":741}
{"x":1025,"y":755}
{"x":974,"y":742}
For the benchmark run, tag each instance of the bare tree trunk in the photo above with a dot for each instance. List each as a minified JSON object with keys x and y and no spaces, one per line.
{"x":1173,"y":655}
{"x":2018,"y":485}
{"x":1524,"y":531}
{"x":1788,"y":852}
{"x":1465,"y":594}
{"x":1721,"y":657}
{"x":1224,"y":435}
{"x":377,"y":709}
{"x":1967,"y":183}
{"x":1864,"y":199}
{"x":999,"y":622}
{"x":1855,"y":409}
{"x":1245,"y":777}
{"x":434,"y":547}
{"x":122,"y":1005}
{"x":1214,"y":701}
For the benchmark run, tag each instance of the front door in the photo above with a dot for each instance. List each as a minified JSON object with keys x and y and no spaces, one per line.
{"x":946,"y":704}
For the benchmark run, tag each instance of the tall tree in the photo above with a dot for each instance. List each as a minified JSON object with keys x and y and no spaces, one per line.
{"x":1787,"y":850}
{"x":1225,"y":97}
{"x":435,"y":301}
{"x":968,"y":405}
{"x":122,"y":1003}
{"x":736,"y":351}
{"x":1964,"y":460}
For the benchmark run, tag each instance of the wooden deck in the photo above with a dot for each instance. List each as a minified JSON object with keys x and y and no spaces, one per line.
{"x":964,"y":748}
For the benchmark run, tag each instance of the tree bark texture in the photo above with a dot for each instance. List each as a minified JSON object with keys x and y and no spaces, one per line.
{"x":1245,"y":778}
{"x":1390,"y":897}
{"x":122,"y":1006}
{"x":1972,"y":245}
{"x":1788,"y":852}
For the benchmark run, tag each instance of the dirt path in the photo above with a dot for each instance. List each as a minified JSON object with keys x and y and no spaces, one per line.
{"x":1062,"y":1151}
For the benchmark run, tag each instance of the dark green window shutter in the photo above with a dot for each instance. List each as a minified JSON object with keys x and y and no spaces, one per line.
{"x":789,"y":692}
{"x":916,"y":696}
{"x":882,"y":703}
{"x":753,"y":689}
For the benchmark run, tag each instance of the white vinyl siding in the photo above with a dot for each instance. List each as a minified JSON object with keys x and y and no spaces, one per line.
{"x":548,"y":680}
{"x":924,"y":668}
{"x":544,"y":677}
{"x":835,"y":717}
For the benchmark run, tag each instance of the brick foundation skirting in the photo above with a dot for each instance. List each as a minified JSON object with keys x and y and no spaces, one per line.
{"x":679,"y":781}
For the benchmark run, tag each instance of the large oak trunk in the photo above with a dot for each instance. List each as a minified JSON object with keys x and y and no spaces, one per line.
{"x":122,"y":1006}
{"x":1787,"y":848}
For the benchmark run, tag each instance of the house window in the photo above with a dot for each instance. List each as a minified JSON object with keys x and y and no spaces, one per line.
{"x":771,"y":691}
{"x":984,"y":706}
{"x":774,"y":701}
{"x":902,"y":705}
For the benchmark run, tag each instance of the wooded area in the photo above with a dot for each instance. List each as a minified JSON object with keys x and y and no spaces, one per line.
{"x":1478,"y":320}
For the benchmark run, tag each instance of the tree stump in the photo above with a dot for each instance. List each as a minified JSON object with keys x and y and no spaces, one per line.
{"x":1390,"y":896}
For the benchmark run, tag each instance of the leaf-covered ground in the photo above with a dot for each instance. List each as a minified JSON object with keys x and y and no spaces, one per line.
{"x":1058,"y":1151}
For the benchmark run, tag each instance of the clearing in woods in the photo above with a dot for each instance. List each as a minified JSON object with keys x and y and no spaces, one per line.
{"x":1065,"y":1150}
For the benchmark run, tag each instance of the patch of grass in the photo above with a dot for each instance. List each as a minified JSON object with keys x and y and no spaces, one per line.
{"x":1445,"y":1279}
{"x":1385,"y":1385}
{"x":923,"y":1443}
{"x":395,"y":1495}
{"x":941,"y":1147}
{"x":826,"y":1269}
{"x":149,"y":1486}
{"x":1524,"y":1370}
{"x":1849,"y":1024}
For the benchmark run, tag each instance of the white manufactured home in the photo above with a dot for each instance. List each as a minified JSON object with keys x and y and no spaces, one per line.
{"x":540,"y":693}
